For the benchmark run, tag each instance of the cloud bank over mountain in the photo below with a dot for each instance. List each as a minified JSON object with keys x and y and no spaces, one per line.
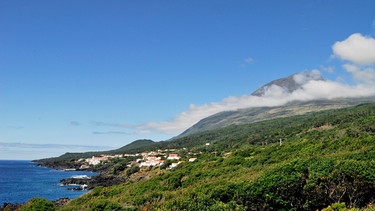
{"x":358,"y":53}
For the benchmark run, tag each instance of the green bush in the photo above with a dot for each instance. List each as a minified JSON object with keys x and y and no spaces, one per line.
{"x":105,"y":206}
{"x":132,"y":170}
{"x":336,"y":207}
{"x":38,"y":204}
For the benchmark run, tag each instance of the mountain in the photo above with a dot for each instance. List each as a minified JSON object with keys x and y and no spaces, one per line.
{"x":135,"y":145}
{"x":290,"y":83}
{"x":254,"y":114}
{"x":250,"y":115}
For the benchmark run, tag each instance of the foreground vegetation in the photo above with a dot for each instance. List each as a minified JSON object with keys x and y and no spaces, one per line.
{"x":308,"y":162}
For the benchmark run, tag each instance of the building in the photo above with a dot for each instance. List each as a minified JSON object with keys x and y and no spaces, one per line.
{"x":95,"y":160}
{"x":151,"y":162}
{"x":173,"y":157}
{"x":192,"y":159}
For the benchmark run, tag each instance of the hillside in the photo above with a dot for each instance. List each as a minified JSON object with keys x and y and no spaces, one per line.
{"x":233,"y":122}
{"x":135,"y":146}
{"x":323,"y":158}
{"x":250,"y":115}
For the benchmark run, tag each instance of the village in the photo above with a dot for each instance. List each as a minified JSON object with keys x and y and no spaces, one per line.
{"x":144,"y":159}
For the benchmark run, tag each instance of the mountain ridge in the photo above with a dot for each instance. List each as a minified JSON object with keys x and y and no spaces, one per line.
{"x":290,"y":83}
{"x":256,"y":114}
{"x":286,"y":85}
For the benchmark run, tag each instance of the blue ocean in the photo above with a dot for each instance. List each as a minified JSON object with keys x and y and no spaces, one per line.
{"x":22,"y":180}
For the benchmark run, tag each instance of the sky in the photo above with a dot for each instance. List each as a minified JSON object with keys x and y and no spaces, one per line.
{"x":92,"y":75}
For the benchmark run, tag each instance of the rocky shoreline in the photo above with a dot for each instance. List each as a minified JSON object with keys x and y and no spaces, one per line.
{"x":72,"y":183}
{"x":92,"y":182}
{"x":102,"y":179}
{"x":63,"y":165}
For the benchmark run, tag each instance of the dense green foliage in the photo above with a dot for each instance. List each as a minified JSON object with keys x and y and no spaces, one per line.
{"x":305,"y":162}
{"x":38,"y":204}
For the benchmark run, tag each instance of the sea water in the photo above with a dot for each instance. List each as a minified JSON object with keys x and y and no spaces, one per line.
{"x":22,"y":180}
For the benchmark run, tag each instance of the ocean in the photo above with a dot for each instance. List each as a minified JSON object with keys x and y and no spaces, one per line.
{"x":22,"y":180}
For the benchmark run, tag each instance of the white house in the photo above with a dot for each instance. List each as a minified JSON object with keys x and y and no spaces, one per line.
{"x":174,"y":165}
{"x":192,"y":159}
{"x":151,"y":162}
{"x":173,"y":157}
{"x":95,"y":160}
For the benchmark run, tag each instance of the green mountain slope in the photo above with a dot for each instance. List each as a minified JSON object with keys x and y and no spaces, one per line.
{"x":288,"y":85}
{"x":250,"y":115}
{"x":323,"y":158}
{"x":135,"y":146}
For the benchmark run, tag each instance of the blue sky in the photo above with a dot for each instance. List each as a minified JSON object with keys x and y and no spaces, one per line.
{"x":101,"y":74}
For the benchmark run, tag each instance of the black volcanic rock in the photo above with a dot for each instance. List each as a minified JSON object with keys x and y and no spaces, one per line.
{"x":58,"y":164}
{"x":100,"y":180}
{"x":60,"y":202}
{"x":10,"y":206}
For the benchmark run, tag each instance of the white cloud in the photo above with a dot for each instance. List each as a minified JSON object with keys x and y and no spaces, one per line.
{"x":306,"y":76}
{"x":360,"y":52}
{"x":195,"y":113}
{"x":249,"y":60}
{"x":111,"y":133}
{"x":329,"y":69}
{"x":357,"y":49}
{"x":274,"y":96}
{"x":106,"y":124}
{"x":365,"y":75}
{"x":75,"y":123}
{"x":330,"y":90}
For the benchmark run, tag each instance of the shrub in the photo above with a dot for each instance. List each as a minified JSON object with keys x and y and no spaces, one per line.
{"x":38,"y":204}
{"x":105,"y":206}
{"x":336,"y":207}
